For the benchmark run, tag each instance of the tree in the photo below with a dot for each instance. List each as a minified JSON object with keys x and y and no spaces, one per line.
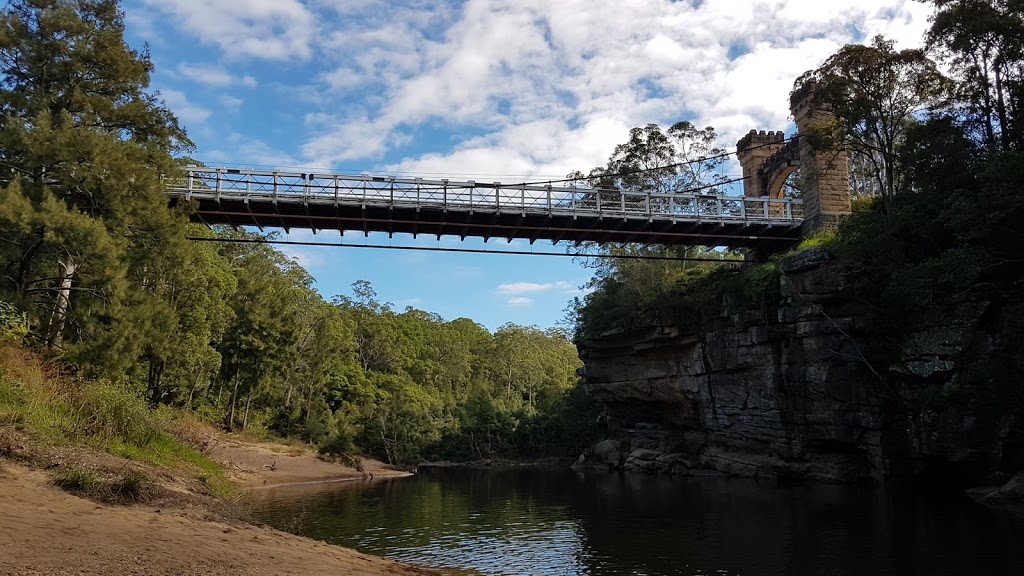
{"x":376,"y":339}
{"x":188,"y":296}
{"x":875,"y":93}
{"x":677,"y":160}
{"x":259,"y":346}
{"x":983,"y":41}
{"x":83,"y":147}
{"x":321,"y":380}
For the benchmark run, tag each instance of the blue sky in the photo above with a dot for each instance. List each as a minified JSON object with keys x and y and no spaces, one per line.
{"x":491,"y":90}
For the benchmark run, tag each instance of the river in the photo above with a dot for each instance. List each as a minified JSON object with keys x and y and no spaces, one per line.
{"x":562,"y":523}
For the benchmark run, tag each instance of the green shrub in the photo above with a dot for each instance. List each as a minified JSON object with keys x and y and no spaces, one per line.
{"x":128,"y":486}
{"x":639,"y":294}
{"x":338,"y":445}
{"x":107,"y":415}
{"x":755,"y":288}
{"x":13,"y":323}
{"x":821,"y":239}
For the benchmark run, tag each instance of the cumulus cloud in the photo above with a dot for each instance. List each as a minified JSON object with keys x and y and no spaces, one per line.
{"x":524,"y":88}
{"x":555,"y":85}
{"x":259,"y":29}
{"x":519,"y":301}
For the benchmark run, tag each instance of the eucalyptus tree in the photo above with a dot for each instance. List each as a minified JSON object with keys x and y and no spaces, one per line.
{"x":187,"y":308}
{"x":677,"y":159}
{"x":681,"y":159}
{"x":258,"y":347}
{"x":875,"y":94}
{"x":983,"y":41}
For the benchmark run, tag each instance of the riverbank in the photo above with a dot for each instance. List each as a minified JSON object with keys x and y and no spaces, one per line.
{"x":171,"y":522}
{"x":94,"y":482}
{"x":48,"y":531}
{"x":252,"y":464}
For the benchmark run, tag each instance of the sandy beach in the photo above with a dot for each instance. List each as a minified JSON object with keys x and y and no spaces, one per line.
{"x":46,"y":531}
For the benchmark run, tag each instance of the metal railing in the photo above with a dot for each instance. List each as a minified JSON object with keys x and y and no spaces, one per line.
{"x":375,"y":191}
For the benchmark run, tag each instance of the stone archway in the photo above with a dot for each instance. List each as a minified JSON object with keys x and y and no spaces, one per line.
{"x":778,"y":167}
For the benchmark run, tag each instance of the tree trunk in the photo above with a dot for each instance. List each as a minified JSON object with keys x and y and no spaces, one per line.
{"x":21,"y":282}
{"x":156,"y":370}
{"x":234,"y":396}
{"x":986,"y":102}
{"x":384,"y":438}
{"x":195,"y":384}
{"x":1004,"y":122}
{"x":60,"y":309}
{"x":245,"y":416}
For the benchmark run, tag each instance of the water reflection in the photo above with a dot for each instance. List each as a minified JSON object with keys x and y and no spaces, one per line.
{"x":531,"y":522}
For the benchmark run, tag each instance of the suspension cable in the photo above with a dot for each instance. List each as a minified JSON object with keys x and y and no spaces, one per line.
{"x":457,"y":250}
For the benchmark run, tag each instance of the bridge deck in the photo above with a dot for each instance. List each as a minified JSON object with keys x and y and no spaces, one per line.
{"x":443,"y":207}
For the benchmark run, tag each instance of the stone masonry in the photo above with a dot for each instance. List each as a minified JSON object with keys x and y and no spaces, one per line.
{"x":768,"y":160}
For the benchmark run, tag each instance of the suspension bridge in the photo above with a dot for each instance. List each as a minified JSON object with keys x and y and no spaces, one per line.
{"x":763,"y":219}
{"x":530,"y":211}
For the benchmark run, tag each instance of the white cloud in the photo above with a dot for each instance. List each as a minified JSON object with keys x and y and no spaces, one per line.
{"x":555,"y":85}
{"x":258,"y":29}
{"x":232,"y":103}
{"x":523,"y":88}
{"x":344,"y":141}
{"x":520,"y":301}
{"x":144,"y":23}
{"x":519,"y":288}
{"x":213,"y":75}
{"x":189,"y":114}
{"x":256,"y":154}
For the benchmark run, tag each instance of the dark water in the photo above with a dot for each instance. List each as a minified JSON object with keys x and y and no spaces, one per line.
{"x":562,"y":523}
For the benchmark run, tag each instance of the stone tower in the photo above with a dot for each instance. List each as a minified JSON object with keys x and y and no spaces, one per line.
{"x":768,"y":160}
{"x":753,"y":150}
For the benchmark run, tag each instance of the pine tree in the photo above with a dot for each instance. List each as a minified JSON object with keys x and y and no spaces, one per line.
{"x":90,"y":247}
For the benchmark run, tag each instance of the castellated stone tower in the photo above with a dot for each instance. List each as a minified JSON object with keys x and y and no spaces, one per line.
{"x":753,"y":150}
{"x":768,"y":159}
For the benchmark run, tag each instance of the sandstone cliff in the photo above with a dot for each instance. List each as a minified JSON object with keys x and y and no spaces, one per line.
{"x":798,"y":388}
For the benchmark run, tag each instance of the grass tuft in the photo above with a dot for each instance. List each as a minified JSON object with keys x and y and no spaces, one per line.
{"x":126,"y":487}
{"x":77,"y":480}
{"x":131,"y":486}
